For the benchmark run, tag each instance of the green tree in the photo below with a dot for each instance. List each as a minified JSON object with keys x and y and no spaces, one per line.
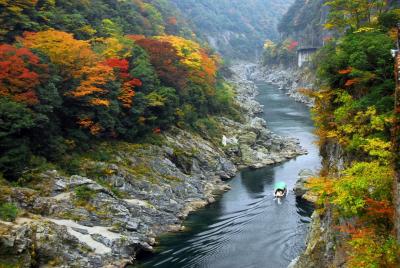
{"x":15,"y":122}
{"x":353,"y":14}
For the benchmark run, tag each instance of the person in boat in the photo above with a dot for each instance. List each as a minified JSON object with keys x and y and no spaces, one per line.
{"x":280,"y":189}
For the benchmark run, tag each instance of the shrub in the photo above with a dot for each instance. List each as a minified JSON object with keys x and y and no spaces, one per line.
{"x":207,"y":126}
{"x":84,"y":193}
{"x":8,"y":212}
{"x":363,"y":180}
{"x":367,"y":249}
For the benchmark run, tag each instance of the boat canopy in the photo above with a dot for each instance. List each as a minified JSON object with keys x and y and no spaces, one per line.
{"x":280,"y":185}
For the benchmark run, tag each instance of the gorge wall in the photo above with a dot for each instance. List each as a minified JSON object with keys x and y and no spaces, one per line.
{"x":236,"y":29}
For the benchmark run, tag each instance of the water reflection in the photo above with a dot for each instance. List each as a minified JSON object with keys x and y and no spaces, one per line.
{"x":255,"y":180}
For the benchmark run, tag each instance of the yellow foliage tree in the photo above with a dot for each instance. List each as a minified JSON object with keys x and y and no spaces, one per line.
{"x":62,"y":48}
{"x":93,"y":78}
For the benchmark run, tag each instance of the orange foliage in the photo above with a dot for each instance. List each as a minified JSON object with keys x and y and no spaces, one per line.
{"x":351,"y":82}
{"x":209,"y":67}
{"x":164,"y":57}
{"x":379,"y":209}
{"x":179,"y":61}
{"x":126,"y":95}
{"x":127,"y":91}
{"x":346,"y":71}
{"x":87,"y":123}
{"x":351,"y":229}
{"x":321,"y":186}
{"x":93,"y":79}
{"x":100,"y":102}
{"x":16,"y":79}
{"x":62,"y":48}
{"x":366,"y":248}
{"x":202,"y":68}
{"x":95,"y":129}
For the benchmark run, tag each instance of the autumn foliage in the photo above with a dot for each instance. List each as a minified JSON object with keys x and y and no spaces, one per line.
{"x":354,"y":112}
{"x":18,"y":76}
{"x":128,"y":82}
{"x":167,"y":62}
{"x":106,"y":87}
{"x":62,"y":49}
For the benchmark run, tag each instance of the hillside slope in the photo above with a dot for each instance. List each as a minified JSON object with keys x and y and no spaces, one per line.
{"x":235,"y":28}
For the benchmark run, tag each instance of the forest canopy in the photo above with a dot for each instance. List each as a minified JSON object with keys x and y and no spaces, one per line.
{"x":76,"y":71}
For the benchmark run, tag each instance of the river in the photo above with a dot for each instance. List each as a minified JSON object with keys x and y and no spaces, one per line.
{"x":246,"y":227}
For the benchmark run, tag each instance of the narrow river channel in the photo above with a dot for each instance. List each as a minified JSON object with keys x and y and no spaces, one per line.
{"x":246,"y":227}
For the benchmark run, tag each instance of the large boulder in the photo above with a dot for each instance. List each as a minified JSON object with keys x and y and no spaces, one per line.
{"x":300,"y":189}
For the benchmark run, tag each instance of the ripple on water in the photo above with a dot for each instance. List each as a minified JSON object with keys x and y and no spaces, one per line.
{"x":246,"y":227}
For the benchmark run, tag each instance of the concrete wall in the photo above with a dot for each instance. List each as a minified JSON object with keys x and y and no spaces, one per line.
{"x":304,"y":56}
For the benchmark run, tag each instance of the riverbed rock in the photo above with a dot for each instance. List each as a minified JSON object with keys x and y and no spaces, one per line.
{"x":142,"y":191}
{"x":300,"y":188}
{"x":290,"y":80}
{"x":256,"y":145}
{"x":145,"y":191}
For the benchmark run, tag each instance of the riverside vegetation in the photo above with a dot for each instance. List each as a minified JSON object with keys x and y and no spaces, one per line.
{"x":354,"y":225}
{"x":115,"y":124}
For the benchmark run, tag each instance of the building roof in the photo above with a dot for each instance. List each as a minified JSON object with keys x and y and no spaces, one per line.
{"x":307,"y":49}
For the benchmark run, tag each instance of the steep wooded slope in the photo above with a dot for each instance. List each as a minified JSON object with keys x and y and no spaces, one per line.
{"x":235,"y":28}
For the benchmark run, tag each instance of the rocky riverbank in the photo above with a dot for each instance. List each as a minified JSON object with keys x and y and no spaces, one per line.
{"x":324,"y":245}
{"x":290,"y":80}
{"x":125,"y":195}
{"x":116,"y":211}
{"x":256,"y":145}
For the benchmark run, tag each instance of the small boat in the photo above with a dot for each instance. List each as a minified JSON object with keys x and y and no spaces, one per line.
{"x":280,"y":189}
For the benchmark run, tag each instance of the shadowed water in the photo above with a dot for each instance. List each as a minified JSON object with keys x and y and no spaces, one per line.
{"x":246,"y":227}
